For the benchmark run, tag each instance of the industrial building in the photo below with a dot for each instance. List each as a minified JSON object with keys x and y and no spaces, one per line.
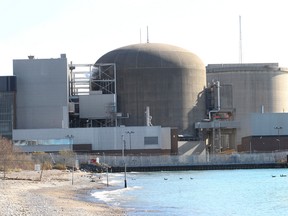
{"x":254,"y":89}
{"x":58,"y":107}
{"x":145,"y":98}
{"x":42,"y":93}
{"x":268,"y":133}
{"x":168,"y":79}
{"x":7,"y":105}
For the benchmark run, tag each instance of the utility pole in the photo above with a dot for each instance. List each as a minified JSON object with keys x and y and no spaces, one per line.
{"x":130,"y":132}
{"x":123,"y":157}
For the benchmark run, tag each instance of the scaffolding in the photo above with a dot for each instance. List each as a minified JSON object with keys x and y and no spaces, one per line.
{"x":92,"y":79}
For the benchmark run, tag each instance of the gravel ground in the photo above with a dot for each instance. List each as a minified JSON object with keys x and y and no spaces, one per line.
{"x":53,"y":195}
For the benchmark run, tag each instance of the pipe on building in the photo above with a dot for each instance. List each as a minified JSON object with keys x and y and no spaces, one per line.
{"x":218,"y":108}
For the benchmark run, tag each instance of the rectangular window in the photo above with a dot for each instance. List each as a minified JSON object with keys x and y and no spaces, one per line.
{"x":151,"y":140}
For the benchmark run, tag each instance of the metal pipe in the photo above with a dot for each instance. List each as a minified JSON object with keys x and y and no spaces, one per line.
{"x":218,"y":107}
{"x":218,"y":94}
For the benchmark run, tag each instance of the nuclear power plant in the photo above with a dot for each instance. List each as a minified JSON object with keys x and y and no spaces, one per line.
{"x":167,"y":79}
{"x":146,"y":98}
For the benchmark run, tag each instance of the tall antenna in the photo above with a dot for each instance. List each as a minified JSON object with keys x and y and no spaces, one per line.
{"x":140,"y":36}
{"x":147,"y":35}
{"x":240,"y":41}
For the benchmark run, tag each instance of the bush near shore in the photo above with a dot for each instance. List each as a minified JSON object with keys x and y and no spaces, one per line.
{"x":12,"y":159}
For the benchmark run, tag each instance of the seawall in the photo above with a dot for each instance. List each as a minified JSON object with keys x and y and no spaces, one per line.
{"x":200,"y":167}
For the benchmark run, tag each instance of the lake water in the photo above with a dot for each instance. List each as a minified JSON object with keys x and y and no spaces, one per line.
{"x":221,"y":192}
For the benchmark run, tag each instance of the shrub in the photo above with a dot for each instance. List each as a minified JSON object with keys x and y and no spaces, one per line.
{"x":59,"y":166}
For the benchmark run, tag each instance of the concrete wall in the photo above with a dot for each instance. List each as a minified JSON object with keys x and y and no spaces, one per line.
{"x":102,"y":139}
{"x":42,"y":93}
{"x":98,"y":106}
{"x":269,"y":124}
{"x":191,"y":148}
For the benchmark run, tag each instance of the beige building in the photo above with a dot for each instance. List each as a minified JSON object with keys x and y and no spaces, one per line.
{"x":255,"y":88}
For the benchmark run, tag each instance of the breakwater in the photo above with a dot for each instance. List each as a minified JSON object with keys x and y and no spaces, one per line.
{"x":199,"y":167}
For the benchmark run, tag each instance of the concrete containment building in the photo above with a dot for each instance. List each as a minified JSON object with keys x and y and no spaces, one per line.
{"x":256,"y":88}
{"x":167,"y":79}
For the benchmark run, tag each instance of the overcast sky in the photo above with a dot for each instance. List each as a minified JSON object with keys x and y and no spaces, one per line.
{"x":87,"y":29}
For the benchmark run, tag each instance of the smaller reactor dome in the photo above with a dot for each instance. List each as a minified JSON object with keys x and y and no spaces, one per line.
{"x":168,"y":79}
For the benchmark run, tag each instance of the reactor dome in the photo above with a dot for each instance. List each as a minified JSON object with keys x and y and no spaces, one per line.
{"x":167,"y":79}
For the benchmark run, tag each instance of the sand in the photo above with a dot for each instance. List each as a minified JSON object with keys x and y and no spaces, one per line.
{"x":22,"y":194}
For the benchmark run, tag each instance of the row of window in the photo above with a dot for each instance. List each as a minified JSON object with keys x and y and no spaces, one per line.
{"x":65,"y":141}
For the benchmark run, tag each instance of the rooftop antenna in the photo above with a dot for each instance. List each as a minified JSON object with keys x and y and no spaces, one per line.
{"x":147,"y":35}
{"x":140,"y":36}
{"x":240,"y":41}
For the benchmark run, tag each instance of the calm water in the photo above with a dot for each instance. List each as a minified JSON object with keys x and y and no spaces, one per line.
{"x":221,"y":192}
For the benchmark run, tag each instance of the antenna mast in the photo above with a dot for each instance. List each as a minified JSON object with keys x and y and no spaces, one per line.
{"x":240,"y":41}
{"x":140,"y":36}
{"x":147,"y":35}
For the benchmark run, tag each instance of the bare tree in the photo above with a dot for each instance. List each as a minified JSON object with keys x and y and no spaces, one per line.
{"x":6,"y":154}
{"x":12,"y":158}
{"x":68,"y":157}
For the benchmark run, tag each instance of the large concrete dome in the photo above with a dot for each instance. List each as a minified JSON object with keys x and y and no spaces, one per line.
{"x":168,"y":79}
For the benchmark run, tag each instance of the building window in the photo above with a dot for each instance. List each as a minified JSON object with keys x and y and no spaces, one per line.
{"x":43,"y":142}
{"x":151,"y":140}
{"x":6,"y":113}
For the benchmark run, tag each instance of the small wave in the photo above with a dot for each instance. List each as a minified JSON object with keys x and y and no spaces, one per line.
{"x":111,"y":196}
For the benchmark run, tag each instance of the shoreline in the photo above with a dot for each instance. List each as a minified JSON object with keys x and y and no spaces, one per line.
{"x":53,"y":195}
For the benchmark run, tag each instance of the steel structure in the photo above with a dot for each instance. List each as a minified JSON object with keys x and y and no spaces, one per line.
{"x":92,"y":79}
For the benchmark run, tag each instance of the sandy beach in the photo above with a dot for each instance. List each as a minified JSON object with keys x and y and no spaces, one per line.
{"x":22,"y":194}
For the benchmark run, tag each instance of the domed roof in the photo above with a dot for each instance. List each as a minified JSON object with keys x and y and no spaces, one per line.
{"x":152,"y":55}
{"x":166,"y":78}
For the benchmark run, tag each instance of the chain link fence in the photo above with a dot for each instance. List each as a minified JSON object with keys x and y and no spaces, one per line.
{"x":188,"y":160}
{"x":70,"y":160}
